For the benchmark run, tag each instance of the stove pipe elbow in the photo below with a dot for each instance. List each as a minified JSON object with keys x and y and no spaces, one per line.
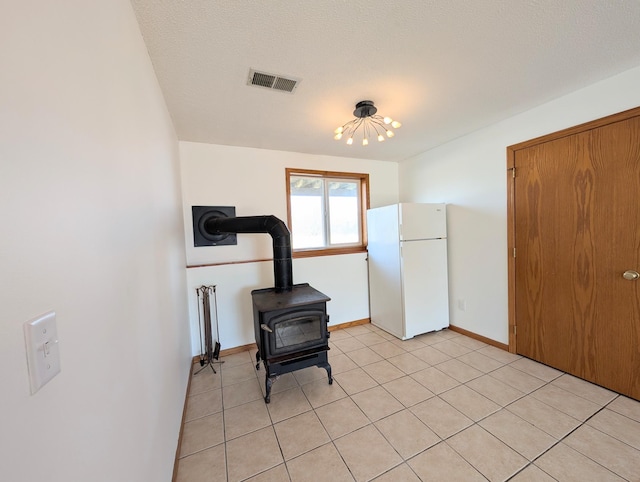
{"x":275,"y":227}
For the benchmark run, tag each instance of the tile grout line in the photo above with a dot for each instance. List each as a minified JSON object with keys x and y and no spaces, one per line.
{"x":558,"y":441}
{"x":273,"y":425}
{"x":582,"y":423}
{"x":475,"y":423}
{"x":371,"y":422}
{"x":525,"y":394}
{"x":224,"y":426}
{"x":564,"y":437}
{"x":436,"y":395}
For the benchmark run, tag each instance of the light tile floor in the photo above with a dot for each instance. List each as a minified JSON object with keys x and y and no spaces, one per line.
{"x":439,"y":407}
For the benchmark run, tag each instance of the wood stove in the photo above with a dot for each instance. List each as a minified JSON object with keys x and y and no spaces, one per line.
{"x":291,"y":331}
{"x":290,"y":321}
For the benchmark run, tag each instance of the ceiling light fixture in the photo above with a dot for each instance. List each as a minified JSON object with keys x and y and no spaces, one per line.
{"x":370,"y":123}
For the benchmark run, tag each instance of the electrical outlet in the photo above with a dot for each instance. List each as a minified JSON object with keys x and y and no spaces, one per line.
{"x":462,"y":305}
{"x":43,"y":353}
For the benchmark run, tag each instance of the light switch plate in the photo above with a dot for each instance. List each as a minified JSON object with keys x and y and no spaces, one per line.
{"x":43,"y":352}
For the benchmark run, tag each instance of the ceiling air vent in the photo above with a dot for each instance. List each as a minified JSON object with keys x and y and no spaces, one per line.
{"x":272,"y":81}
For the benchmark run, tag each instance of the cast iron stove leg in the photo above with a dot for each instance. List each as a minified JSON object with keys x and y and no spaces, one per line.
{"x":327,"y":367}
{"x":268,"y":383}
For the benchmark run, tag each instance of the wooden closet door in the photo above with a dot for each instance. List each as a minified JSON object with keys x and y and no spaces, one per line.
{"x":577,"y":231}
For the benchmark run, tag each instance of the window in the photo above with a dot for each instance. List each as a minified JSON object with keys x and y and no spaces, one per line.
{"x":327,"y":211}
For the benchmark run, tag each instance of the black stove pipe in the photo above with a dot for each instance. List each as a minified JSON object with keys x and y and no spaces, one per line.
{"x":282,"y":265}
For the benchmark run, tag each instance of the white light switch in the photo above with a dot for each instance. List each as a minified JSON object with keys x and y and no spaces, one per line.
{"x":43,"y":353}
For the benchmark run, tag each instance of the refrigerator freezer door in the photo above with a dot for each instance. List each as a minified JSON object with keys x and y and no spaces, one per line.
{"x":425,"y":286}
{"x":422,"y":221}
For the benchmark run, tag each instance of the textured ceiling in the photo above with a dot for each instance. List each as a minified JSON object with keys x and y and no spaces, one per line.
{"x":443,"y":68}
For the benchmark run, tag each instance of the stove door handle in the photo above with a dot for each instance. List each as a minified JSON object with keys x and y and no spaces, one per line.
{"x":266,"y":328}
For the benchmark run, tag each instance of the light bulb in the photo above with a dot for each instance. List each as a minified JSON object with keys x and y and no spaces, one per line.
{"x":380,"y":138}
{"x":390,"y":133}
{"x":350,"y":141}
{"x":388,"y":120}
{"x":365,"y":142}
{"x":396,"y":124}
{"x":339,"y":130}
{"x":338,"y":136}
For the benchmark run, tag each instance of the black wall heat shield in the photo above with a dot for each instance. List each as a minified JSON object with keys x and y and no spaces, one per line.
{"x":200,"y":236}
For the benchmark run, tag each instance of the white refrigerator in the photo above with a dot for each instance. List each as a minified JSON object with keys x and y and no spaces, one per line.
{"x":408,"y":282}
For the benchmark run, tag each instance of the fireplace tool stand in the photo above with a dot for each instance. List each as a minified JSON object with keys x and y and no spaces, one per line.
{"x":209,"y":351}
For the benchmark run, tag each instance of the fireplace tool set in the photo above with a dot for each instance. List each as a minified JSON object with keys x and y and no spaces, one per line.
{"x":209,"y":351}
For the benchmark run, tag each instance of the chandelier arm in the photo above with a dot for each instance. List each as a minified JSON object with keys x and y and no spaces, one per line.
{"x":380,"y":122}
{"x":386,"y":129}
{"x":350,"y":127}
{"x":358,"y":124}
{"x":376,"y":125}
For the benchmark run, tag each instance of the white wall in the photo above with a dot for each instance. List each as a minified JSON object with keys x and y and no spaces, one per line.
{"x":470,"y":174}
{"x":342,"y":278}
{"x":253,"y":180}
{"x":92,"y":229}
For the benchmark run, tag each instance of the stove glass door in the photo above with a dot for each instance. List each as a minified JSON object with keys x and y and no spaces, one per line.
{"x":299,"y":331}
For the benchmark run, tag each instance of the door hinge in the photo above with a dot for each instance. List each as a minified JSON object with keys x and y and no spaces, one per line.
{"x":515,"y":329}
{"x":514,"y":252}
{"x":513,"y":172}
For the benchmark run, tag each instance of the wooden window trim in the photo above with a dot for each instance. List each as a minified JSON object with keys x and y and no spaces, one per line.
{"x":364,"y":196}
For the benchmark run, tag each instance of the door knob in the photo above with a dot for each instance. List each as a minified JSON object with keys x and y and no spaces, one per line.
{"x":631,"y":275}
